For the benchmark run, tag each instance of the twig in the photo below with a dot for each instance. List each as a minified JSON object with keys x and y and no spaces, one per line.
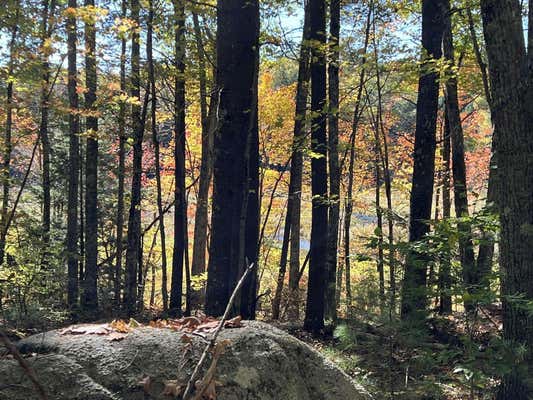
{"x":24,"y":365}
{"x":212,"y":342}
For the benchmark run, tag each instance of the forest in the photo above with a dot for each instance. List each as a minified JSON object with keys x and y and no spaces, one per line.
{"x":355,"y":174}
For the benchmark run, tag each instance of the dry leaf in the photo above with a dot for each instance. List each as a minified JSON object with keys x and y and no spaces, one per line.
{"x":146,"y":384}
{"x":172,"y":388}
{"x":120,"y":326}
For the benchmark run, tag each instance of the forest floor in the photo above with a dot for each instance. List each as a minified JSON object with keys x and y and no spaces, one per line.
{"x":449,"y":362}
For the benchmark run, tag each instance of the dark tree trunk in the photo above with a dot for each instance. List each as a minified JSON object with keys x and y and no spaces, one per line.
{"x":89,"y":295}
{"x":155,"y":139}
{"x":445,"y":278}
{"x":488,"y":239}
{"x":414,"y":283}
{"x":206,"y":168}
{"x":237,"y":47}
{"x":333,"y":159}
{"x":134,"y":219}
{"x":291,"y":232}
{"x":180,"y":206}
{"x":74,"y":162}
{"x":512,"y":104}
{"x":453,"y":114}
{"x":121,"y":168}
{"x":315,"y":307}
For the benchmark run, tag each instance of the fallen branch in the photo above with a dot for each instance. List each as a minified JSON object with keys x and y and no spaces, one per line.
{"x":24,"y":365}
{"x":191,"y":383}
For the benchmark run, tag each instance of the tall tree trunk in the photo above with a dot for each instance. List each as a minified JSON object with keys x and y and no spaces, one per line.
{"x":48,"y":8}
{"x":512,"y":102}
{"x":445,"y":278}
{"x":379,"y":216}
{"x":89,"y":295}
{"x":7,"y":141}
{"x":291,"y":231}
{"x":155,"y":139}
{"x":74,"y":161}
{"x":314,"y":313}
{"x":466,"y":246}
{"x":180,"y":207}
{"x":488,"y":239}
{"x":134,"y":218}
{"x":121,"y":168}
{"x":333,"y":159}
{"x":206,"y":167}
{"x":349,"y":191}
{"x":237,"y":46}
{"x":414,"y":283}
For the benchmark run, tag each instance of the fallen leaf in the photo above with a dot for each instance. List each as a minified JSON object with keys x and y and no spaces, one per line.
{"x":116,"y":336}
{"x":120,"y":326}
{"x":146,"y":384}
{"x":172,"y":388}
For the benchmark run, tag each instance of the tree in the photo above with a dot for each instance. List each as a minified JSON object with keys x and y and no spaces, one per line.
{"x":512,"y":102}
{"x":333,"y":158}
{"x":314,"y":313}
{"x":180,"y":207}
{"x":206,"y":166}
{"x":453,"y":115}
{"x":47,"y":12}
{"x":121,"y":166}
{"x":134,"y":218}
{"x":89,"y":298}
{"x":414,"y":283}
{"x":291,"y":230}
{"x":237,"y":48}
{"x":74,"y":158}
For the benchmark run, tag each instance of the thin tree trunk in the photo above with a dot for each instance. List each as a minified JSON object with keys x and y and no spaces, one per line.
{"x":7,"y":141}
{"x":206,"y":167}
{"x":466,"y":247}
{"x":379,"y":232}
{"x":384,"y":155}
{"x":291,"y":230}
{"x":134,"y":219}
{"x":180,"y":207}
{"x":74,"y":162}
{"x":445,"y":279}
{"x":349,"y":191}
{"x":48,"y":8}
{"x":155,"y":139}
{"x":488,"y":239}
{"x":415,"y":277}
{"x":121,"y":168}
{"x":89,"y":295}
{"x":314,"y":313}
{"x":333,"y":159}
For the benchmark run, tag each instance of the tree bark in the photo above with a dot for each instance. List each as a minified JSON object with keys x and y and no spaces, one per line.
{"x":414,"y":283}
{"x":333,"y":160}
{"x":134,"y":218}
{"x":206,"y":167}
{"x":155,"y":139}
{"x":237,"y":47}
{"x":74,"y":161}
{"x":315,"y":307}
{"x":466,"y":246}
{"x":291,"y":231}
{"x":512,"y":102}
{"x":121,"y":167}
{"x":180,"y":206}
{"x":90,"y":294}
{"x":445,"y":278}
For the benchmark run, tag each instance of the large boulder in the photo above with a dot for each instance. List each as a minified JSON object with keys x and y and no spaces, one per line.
{"x":260,"y":363}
